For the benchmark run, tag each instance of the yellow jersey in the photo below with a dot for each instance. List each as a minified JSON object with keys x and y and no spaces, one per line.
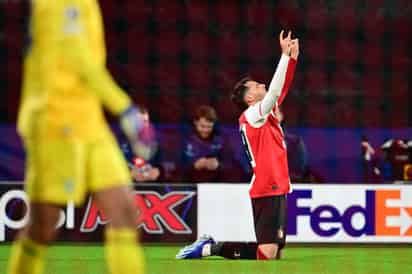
{"x":66,"y":83}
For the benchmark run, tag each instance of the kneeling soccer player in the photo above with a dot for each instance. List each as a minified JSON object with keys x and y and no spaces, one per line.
{"x":264,"y":143}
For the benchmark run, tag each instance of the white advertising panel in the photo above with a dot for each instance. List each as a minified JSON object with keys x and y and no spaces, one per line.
{"x":316,"y":213}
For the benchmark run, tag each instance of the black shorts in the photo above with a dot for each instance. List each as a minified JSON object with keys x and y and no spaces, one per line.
{"x":269,"y":216}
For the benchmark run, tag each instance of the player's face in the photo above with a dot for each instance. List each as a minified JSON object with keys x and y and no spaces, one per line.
{"x":204,"y":127}
{"x":256,"y":91}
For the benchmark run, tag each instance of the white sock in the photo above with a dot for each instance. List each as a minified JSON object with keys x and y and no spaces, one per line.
{"x":206,"y":250}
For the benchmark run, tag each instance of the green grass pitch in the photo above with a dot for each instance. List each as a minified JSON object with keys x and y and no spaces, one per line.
{"x":298,"y":259}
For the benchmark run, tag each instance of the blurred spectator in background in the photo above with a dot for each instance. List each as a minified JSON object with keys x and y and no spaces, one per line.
{"x":391,"y":163}
{"x":396,"y":156}
{"x":299,"y":170}
{"x":235,"y":164}
{"x":142,"y":170}
{"x":408,"y":168}
{"x":371,"y":164}
{"x":202,"y":151}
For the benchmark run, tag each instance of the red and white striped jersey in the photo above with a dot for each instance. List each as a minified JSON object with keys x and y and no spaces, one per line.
{"x":263,"y":136}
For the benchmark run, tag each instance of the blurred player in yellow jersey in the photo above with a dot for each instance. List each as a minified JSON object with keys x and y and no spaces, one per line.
{"x":70,"y":149}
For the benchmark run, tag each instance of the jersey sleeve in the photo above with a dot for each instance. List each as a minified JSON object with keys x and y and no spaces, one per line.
{"x":257,"y":114}
{"x":64,"y":38}
{"x":290,"y":72}
{"x":254,"y":115}
{"x":276,"y":85}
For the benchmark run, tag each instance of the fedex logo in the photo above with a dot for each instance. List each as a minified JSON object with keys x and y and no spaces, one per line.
{"x":383,"y":213}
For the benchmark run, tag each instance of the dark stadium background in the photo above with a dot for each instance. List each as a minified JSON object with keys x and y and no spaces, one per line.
{"x":353,"y":76}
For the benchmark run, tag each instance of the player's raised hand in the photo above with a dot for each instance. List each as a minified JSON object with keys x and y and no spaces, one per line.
{"x":294,"y":48}
{"x":285,"y":42}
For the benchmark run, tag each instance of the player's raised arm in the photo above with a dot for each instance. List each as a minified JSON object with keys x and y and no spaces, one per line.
{"x":294,"y":53}
{"x":283,"y":76}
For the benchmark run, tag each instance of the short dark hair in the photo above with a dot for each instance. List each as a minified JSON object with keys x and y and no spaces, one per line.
{"x":238,"y":94}
{"x":207,"y":112}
